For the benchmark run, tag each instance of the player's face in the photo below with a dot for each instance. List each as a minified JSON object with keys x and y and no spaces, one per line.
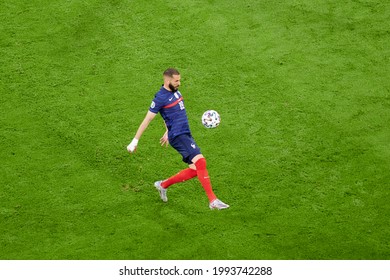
{"x":174,"y":82}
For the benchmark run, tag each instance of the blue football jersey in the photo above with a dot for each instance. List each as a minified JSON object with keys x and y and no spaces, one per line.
{"x":171,"y":107}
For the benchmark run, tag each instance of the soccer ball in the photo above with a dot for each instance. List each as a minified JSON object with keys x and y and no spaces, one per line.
{"x":211,"y":119}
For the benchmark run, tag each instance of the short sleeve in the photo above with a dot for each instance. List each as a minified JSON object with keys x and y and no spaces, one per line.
{"x":156,"y":105}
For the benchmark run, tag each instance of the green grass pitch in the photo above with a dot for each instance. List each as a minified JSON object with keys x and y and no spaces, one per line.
{"x":302,"y":154}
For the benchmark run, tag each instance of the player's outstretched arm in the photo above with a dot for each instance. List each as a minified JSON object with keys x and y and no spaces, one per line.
{"x":145,"y":123}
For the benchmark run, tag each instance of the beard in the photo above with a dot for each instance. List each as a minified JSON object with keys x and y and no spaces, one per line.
{"x":172,"y":88}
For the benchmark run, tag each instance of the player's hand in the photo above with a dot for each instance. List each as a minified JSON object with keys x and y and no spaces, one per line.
{"x":164,"y":140}
{"x":132,"y":146}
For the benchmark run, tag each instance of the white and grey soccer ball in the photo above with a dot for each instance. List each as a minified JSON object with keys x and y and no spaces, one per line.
{"x":211,"y":119}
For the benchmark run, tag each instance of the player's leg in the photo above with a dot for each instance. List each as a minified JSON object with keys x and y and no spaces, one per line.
{"x":192,"y":155}
{"x":203,"y":176}
{"x":181,"y":176}
{"x":182,"y":144}
{"x":201,"y":168}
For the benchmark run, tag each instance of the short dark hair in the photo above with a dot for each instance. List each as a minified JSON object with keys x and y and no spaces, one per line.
{"x":170,"y":72}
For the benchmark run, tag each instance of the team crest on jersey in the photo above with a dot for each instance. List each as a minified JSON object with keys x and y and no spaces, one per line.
{"x":177,"y":95}
{"x":152,"y":105}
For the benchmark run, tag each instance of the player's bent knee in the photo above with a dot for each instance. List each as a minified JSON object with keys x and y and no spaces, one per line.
{"x":201,"y":164}
{"x":196,"y":158}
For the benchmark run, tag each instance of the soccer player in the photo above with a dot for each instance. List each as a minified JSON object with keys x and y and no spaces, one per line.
{"x":168,"y":101}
